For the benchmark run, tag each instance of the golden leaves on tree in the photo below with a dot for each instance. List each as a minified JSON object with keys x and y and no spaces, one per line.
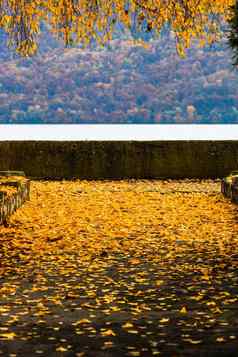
{"x":84,"y":21}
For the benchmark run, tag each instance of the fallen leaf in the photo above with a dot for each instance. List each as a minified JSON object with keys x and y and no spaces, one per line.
{"x":127,"y":325}
{"x":7,"y":335}
{"x":220,"y":339}
{"x":61,"y":349}
{"x":193,"y":342}
{"x":82,"y":321}
{"x":159,"y":282}
{"x":108,"y":333}
{"x":183,"y":310}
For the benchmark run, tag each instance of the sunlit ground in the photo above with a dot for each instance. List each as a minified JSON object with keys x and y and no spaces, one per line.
{"x":120,"y":268}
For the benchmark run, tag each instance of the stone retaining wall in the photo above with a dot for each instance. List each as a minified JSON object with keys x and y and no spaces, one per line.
{"x":229,"y":187}
{"x":120,"y":159}
{"x":9,"y":203}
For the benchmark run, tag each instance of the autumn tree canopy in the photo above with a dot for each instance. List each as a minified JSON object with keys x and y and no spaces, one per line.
{"x":84,"y":21}
{"x":233,"y":34}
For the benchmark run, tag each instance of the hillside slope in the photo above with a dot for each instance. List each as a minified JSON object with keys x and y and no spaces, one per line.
{"x":123,"y":83}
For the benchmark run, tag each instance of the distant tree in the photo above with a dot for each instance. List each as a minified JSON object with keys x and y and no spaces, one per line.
{"x":86,"y":21}
{"x":191,"y":113}
{"x":178,"y":115}
{"x":233,"y":34}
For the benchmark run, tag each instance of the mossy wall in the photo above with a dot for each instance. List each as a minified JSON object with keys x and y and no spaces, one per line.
{"x":125,"y":159}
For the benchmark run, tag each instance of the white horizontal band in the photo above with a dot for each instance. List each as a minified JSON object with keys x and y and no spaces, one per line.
{"x":116,"y":132}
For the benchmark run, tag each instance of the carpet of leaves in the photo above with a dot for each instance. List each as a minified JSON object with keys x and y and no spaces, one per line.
{"x":120,"y":268}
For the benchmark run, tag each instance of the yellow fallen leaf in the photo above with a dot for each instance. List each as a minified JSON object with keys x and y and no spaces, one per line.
{"x":159,"y":282}
{"x":108,"y":333}
{"x":115,"y":308}
{"x":7,"y":335}
{"x":127,"y":325}
{"x":134,"y":261}
{"x":80,"y":354}
{"x":211,"y":303}
{"x":220,"y":339}
{"x":197,"y":297}
{"x":217,"y":310}
{"x":61,"y":349}
{"x":72,"y":296}
{"x":108,"y":343}
{"x":205,"y":277}
{"x":82,"y":321}
{"x":183,"y":310}
{"x":194,"y":342}
{"x":4,"y":309}
{"x":164,"y":320}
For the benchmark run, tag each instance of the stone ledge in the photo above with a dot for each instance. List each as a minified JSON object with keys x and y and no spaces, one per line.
{"x":14,"y":191}
{"x":229,"y":186}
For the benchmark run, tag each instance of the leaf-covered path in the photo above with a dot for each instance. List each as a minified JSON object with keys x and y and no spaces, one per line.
{"x":126,"y":268}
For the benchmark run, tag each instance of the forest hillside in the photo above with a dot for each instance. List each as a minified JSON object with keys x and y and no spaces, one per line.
{"x":124,"y":82}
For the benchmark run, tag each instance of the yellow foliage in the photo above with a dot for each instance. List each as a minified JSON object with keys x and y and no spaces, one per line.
{"x":82,"y":21}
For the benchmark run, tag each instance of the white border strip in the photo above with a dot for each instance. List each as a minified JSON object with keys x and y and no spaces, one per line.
{"x":116,"y":132}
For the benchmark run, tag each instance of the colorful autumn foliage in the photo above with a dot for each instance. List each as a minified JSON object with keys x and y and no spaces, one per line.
{"x":122,"y":84}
